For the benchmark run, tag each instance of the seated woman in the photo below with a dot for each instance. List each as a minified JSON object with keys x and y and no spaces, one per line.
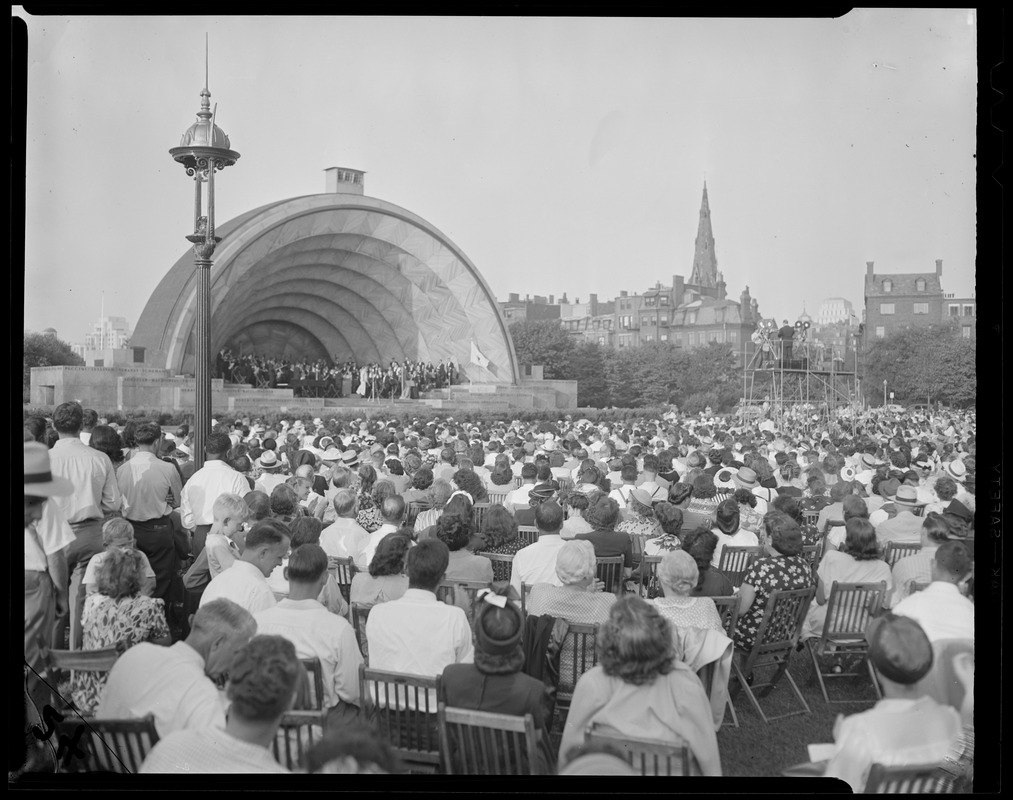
{"x":285,"y":504}
{"x":678,"y":575}
{"x":783,"y":568}
{"x":749,"y":518}
{"x":368,"y":515}
{"x":580,"y":598}
{"x":495,"y":681}
{"x":700,"y":544}
{"x":439,"y":494}
{"x":454,"y":530}
{"x":577,"y":503}
{"x":726,"y":528}
{"x":639,"y":689}
{"x":703,"y":504}
{"x":386,"y":579}
{"x":670,"y":519}
{"x":118,"y":614}
{"x":858,"y":561}
{"x":422,"y":480}
{"x":499,"y":536}
{"x":118,"y":534}
{"x":640,"y":520}
{"x":467,"y":480}
{"x":790,"y":505}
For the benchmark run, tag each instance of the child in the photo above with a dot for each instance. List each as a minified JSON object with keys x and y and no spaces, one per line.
{"x":227,"y":536}
{"x":308,"y":499}
{"x":118,"y":533}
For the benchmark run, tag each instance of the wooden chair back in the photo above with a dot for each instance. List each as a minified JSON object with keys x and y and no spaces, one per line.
{"x":528,"y":533}
{"x":412,"y":512}
{"x":343,"y":570}
{"x":610,"y":570}
{"x":360,"y":614}
{"x":297,"y":733}
{"x":649,"y":586}
{"x":311,"y":696}
{"x":483,"y":743}
{"x":728,"y":608}
{"x":502,"y":565}
{"x":810,"y":517}
{"x":579,"y":654}
{"x":460,"y":594}
{"x":497,"y":498}
{"x":780,"y":627}
{"x":895,"y":551}
{"x":403,"y":708}
{"x":647,"y":756}
{"x":831,"y":524}
{"x":917,"y":779}
{"x":82,"y":660}
{"x":850,"y":609}
{"x":478,"y":512}
{"x":109,"y":745}
{"x":518,"y":482}
{"x":736,"y":561}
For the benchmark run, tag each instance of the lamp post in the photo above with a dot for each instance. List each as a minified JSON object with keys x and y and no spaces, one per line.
{"x":203,"y":150}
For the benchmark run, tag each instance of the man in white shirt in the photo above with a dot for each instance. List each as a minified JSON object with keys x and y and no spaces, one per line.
{"x":518,"y":498}
{"x":176,"y":684}
{"x":215,"y":478}
{"x":271,"y":473}
{"x":536,"y":563}
{"x":417,"y":634}
{"x":940,"y":608}
{"x":346,"y":538}
{"x":262,"y":687}
{"x":918,"y":567}
{"x":47,"y":536}
{"x":151,"y":489}
{"x":905,"y":527}
{"x":317,"y":633}
{"x":392,"y":511}
{"x":245,"y":582}
{"x":95,"y":496}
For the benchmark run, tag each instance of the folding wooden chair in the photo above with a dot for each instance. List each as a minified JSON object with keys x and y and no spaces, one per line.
{"x":648,"y":756}
{"x":478,"y":512}
{"x":497,"y":498}
{"x":483,"y":743}
{"x":565,"y":484}
{"x":810,"y":517}
{"x":502,"y":565}
{"x":403,"y":708}
{"x":775,"y":642}
{"x":412,"y":512}
{"x":360,"y":614}
{"x":525,"y":591}
{"x":811,"y":553}
{"x":895,"y":551}
{"x":108,"y":745}
{"x":82,"y":660}
{"x":610,"y":570}
{"x":460,"y":594}
{"x":518,"y":482}
{"x":649,"y":587}
{"x":528,"y":533}
{"x":850,"y":608}
{"x":917,"y":779}
{"x":736,"y":561}
{"x":728,"y":608}
{"x":312,"y":696}
{"x":578,"y":654}
{"x":343,"y":570}
{"x":297,"y":733}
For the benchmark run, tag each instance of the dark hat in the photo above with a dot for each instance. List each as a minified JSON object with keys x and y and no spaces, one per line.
{"x":888,"y":488}
{"x":542,"y":492}
{"x":899,"y":648}
{"x":958,"y":509}
{"x":491,"y":604}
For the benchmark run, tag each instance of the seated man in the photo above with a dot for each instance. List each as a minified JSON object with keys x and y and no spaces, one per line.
{"x":940,"y":608}
{"x":918,"y":567}
{"x":536,"y":563}
{"x":176,"y":683}
{"x":346,"y":538}
{"x":245,"y":582}
{"x":518,"y":498}
{"x":904,"y":727}
{"x":262,"y":683}
{"x":417,"y":634}
{"x":317,"y":633}
{"x":392,"y":513}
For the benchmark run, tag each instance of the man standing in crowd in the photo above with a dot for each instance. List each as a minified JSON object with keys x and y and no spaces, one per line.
{"x":151,"y":488}
{"x":215,"y":478}
{"x":177,"y":684}
{"x":47,"y":536}
{"x":95,"y":497}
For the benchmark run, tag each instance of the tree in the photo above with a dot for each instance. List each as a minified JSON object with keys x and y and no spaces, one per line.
{"x":587,"y":367}
{"x":543,"y":342}
{"x":45,"y":350}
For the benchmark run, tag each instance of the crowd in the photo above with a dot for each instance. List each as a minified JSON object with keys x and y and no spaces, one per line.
{"x":216,"y":581}
{"x":324,"y":378}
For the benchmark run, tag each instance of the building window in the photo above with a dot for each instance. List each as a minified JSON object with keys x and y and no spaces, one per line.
{"x":664,"y":337}
{"x":650,"y":300}
{"x":601,"y":340}
{"x":886,"y":308}
{"x":920,"y":285}
{"x":954,"y":309}
{"x":887,"y":286}
{"x":691,"y":318}
{"x":968,"y":311}
{"x":508,"y":314}
{"x":731,"y":337}
{"x":921,"y":308}
{"x":965,"y":331}
{"x":880,"y":331}
{"x":664,"y":300}
{"x":663,"y":319}
{"x":719,"y":336}
{"x":648,"y":338}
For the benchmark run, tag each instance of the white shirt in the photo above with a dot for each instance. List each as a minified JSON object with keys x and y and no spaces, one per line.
{"x":151,"y":488}
{"x":536,"y":563}
{"x":418,"y":635}
{"x":267,"y":482}
{"x":941,"y":610}
{"x":374,"y":540}
{"x":317,"y":633}
{"x":222,"y":553}
{"x":741,"y":538}
{"x":208,"y":751}
{"x":205,"y":486}
{"x":518,"y":498}
{"x":345,"y":538}
{"x":54,"y":534}
{"x":242,"y":583}
{"x":168,"y":682}
{"x":95,"y":491}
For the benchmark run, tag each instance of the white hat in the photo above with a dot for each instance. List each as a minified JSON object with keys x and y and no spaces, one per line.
{"x":956,"y":470}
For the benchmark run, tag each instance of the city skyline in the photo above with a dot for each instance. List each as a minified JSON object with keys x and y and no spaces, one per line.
{"x":562,"y":155}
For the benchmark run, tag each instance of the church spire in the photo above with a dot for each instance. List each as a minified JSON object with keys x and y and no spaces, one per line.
{"x":705,"y":263}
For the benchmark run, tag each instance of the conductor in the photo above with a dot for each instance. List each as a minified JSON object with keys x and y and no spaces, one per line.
{"x":786,"y":334}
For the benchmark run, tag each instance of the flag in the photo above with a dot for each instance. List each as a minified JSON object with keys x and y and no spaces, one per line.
{"x":477,"y":357}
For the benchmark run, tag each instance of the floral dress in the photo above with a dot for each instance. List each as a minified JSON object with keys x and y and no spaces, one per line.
{"x":369,"y":515}
{"x":766,"y":576}
{"x":107,"y":622}
{"x":501,"y":570}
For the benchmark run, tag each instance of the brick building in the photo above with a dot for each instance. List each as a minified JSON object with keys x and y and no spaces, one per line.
{"x":537,"y":308}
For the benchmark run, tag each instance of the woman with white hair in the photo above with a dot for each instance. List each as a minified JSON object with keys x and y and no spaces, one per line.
{"x":678,"y":575}
{"x":580,"y":598}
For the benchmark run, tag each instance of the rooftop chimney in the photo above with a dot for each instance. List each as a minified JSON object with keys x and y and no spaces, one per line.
{"x":939,"y":267}
{"x":624,"y":293}
{"x":514,"y":297}
{"x":868,"y":268}
{"x":552,"y":300}
{"x":342,"y":180}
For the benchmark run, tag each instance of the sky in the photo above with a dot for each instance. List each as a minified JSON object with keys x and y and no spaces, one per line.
{"x":560,"y":154}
